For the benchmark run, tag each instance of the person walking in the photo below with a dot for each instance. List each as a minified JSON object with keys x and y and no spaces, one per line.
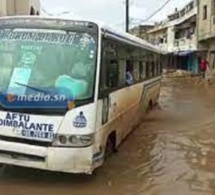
{"x":203,"y":67}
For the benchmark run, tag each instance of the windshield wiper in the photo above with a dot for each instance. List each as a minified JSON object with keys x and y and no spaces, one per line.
{"x":33,"y":88}
{"x":37,"y":89}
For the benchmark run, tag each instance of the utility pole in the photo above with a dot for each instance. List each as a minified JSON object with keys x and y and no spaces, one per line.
{"x":127,"y":16}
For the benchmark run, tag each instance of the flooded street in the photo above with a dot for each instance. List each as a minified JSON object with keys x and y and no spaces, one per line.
{"x":171,"y":153}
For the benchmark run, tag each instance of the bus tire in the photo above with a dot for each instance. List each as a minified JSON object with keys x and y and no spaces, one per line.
{"x":110,"y":147}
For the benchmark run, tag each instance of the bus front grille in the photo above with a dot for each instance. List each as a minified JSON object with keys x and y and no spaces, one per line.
{"x":25,"y":141}
{"x":21,"y":156}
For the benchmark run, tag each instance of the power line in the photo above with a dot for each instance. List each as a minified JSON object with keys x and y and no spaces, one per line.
{"x":156,"y":11}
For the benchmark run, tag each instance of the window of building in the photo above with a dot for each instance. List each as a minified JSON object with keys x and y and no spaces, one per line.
{"x":177,"y":35}
{"x":205,"y":12}
{"x":191,"y":6}
{"x":165,"y":38}
{"x":183,"y":12}
{"x":32,"y":11}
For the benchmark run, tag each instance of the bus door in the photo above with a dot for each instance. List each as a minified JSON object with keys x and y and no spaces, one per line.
{"x":110,"y":94}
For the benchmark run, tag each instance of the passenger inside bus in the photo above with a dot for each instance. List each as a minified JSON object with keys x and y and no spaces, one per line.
{"x":129,"y":73}
{"x":78,"y":79}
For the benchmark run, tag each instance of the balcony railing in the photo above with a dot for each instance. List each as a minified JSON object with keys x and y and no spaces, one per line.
{"x":185,"y":43}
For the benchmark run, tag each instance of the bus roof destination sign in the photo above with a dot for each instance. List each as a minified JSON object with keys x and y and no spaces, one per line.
{"x":43,"y":22}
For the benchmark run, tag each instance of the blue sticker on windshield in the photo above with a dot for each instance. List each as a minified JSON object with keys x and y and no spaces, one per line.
{"x":22,"y":76}
{"x":80,"y":121}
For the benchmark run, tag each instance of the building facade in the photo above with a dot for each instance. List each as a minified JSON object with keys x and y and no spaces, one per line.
{"x":177,"y":37}
{"x":159,"y":35}
{"x":206,"y":31}
{"x":19,"y":7}
{"x":141,"y":31}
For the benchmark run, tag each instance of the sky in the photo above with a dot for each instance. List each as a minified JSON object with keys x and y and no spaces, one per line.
{"x":112,"y":12}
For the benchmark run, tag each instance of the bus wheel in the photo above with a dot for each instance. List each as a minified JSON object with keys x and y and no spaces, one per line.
{"x":110,"y":145}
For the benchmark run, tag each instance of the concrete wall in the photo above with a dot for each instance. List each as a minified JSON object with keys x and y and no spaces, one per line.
{"x":171,"y":39}
{"x":141,"y":31}
{"x":206,"y":32}
{"x":3,"y":9}
{"x":206,"y":26}
{"x":11,"y":7}
{"x":18,"y":7}
{"x":23,"y":6}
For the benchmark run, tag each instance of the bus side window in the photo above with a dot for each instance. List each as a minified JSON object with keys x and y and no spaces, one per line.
{"x":129,"y":72}
{"x":136,"y":73}
{"x":141,"y":76}
{"x":109,"y":75}
{"x":161,"y":64}
{"x":153,"y":69}
{"x":150,"y":69}
{"x":113,"y":74}
{"x":143,"y":65}
{"x":136,"y":64}
{"x":158,"y":65}
{"x":147,"y":70}
{"x":157,"y":68}
{"x":103,"y":73}
{"x":161,"y":67}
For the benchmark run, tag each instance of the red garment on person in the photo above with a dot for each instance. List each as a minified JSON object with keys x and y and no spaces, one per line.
{"x":203,"y":65}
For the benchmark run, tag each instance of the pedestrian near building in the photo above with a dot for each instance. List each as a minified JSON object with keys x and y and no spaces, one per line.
{"x":203,"y":67}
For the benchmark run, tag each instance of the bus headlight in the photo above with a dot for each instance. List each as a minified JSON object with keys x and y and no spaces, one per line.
{"x":73,"y":140}
{"x":62,"y":139}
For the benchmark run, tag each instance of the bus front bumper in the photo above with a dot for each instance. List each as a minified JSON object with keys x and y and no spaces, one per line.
{"x":69,"y":160}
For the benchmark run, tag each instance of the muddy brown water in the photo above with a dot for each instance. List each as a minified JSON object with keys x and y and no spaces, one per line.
{"x":171,"y":153}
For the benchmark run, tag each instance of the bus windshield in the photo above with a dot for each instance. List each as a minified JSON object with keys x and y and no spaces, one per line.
{"x":47,"y":60}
